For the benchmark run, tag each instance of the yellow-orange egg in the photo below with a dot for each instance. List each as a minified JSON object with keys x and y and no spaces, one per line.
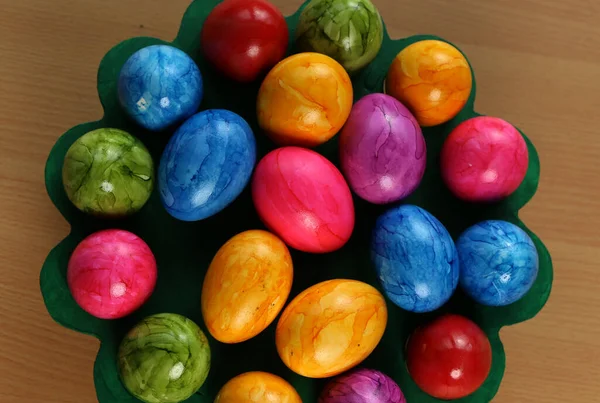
{"x":331,"y":327}
{"x":246,"y":285}
{"x":304,"y":100}
{"x":257,"y":387}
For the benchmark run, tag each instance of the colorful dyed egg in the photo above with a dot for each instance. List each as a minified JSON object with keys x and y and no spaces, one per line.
{"x":246,"y":286}
{"x":257,"y":387}
{"x":159,"y":86}
{"x":432,"y":78}
{"x":350,"y":31}
{"x":415,"y":259}
{"x":362,"y":386}
{"x":382,"y":150}
{"x":206,"y":164}
{"x":449,"y":358}
{"x":108,"y":173}
{"x":296,"y":104}
{"x":303,"y":198}
{"x":498,"y":262}
{"x":164,"y":359}
{"x":484,"y":159}
{"x":111,"y":273}
{"x":331,"y":327}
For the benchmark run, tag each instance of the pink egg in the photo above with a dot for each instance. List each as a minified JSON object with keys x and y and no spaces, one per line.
{"x":304,"y":199}
{"x":111,"y":273}
{"x":484,"y":159}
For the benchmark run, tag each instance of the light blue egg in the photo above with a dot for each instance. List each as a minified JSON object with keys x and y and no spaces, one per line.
{"x":206,"y":164}
{"x":498,"y":262}
{"x":159,"y":86}
{"x":415,"y":258}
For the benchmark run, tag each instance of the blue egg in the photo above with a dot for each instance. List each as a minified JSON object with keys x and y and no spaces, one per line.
{"x":206,"y":164}
{"x":160,"y":85}
{"x":415,"y":258}
{"x":498,"y":262}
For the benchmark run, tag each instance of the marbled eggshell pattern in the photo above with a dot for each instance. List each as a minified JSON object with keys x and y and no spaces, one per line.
{"x":304,"y":199}
{"x":484,"y":159}
{"x":362,"y":386}
{"x":382,"y":150}
{"x":111,"y":273}
{"x":159,"y":86}
{"x":246,"y":286}
{"x":206,"y":164}
{"x":331,"y":327}
{"x":304,"y":100}
{"x":257,"y":387}
{"x":415,"y":258}
{"x":108,"y":173}
{"x":498,"y":262}
{"x":164,"y":359}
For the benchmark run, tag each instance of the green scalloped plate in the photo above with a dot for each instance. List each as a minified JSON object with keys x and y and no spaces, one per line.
{"x":184,"y":250}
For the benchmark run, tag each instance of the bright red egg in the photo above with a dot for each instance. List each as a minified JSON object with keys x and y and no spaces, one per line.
{"x":244,"y":38}
{"x":449,"y":358}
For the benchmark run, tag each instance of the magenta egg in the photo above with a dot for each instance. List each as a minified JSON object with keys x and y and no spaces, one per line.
{"x":382,"y":149}
{"x":304,"y":199}
{"x":484,"y":159}
{"x":362,"y":386}
{"x":111,"y":273}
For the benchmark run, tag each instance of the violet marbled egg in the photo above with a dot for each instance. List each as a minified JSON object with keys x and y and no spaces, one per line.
{"x":382,"y":150}
{"x":362,"y":386}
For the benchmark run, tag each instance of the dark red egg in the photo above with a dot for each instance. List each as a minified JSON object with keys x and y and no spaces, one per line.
{"x":244,"y":38}
{"x":449,"y":358}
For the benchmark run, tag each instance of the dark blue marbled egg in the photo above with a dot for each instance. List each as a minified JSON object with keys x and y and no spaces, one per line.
{"x":160,"y":85}
{"x":415,"y":258}
{"x":206,"y":164}
{"x":498,"y":262}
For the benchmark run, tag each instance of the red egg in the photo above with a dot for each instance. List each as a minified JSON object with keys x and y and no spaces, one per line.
{"x":449,"y":358}
{"x":244,"y":38}
{"x":484,"y":159}
{"x":304,"y":199}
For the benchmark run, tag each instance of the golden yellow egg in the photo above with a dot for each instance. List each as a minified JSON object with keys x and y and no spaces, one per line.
{"x":246,"y":286}
{"x":257,"y":387}
{"x":331,"y":327}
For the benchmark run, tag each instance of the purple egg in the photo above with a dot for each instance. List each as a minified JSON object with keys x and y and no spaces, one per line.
{"x":382,"y":150}
{"x":362,"y":386}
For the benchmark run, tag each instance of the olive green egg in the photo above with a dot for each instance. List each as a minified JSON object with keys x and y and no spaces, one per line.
{"x":108,"y":173}
{"x":349,"y":31}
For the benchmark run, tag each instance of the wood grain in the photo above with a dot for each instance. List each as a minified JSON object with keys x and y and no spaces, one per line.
{"x":537,"y":64}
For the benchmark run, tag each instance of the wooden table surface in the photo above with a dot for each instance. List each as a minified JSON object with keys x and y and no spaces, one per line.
{"x":537,"y":63}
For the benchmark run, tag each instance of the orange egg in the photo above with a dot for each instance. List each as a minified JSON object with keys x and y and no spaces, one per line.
{"x":246,"y":285}
{"x":432,"y":78}
{"x":331,"y":327}
{"x":257,"y":387}
{"x":304,"y":100}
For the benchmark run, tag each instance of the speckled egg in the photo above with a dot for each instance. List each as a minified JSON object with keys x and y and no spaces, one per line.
{"x":304,"y":100}
{"x":484,"y":159}
{"x":331,"y":327}
{"x":498,"y":262}
{"x":246,"y":286}
{"x":362,"y":386}
{"x":257,"y":387}
{"x":304,"y":199}
{"x":111,"y":273}
{"x":415,"y":258}
{"x":108,"y":173}
{"x":159,"y":86}
{"x":206,"y":164}
{"x":382,"y":150}
{"x":164,"y":359}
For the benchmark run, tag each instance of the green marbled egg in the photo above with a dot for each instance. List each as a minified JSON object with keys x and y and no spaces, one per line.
{"x":164,"y":359}
{"x":108,"y":172}
{"x":350,"y":31}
